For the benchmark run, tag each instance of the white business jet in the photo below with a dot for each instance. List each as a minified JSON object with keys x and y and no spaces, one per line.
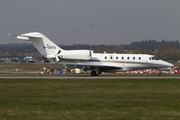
{"x":95,"y":62}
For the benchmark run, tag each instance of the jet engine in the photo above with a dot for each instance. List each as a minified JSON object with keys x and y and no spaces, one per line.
{"x":76,"y":54}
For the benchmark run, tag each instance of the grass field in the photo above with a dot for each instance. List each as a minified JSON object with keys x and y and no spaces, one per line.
{"x":28,"y":66}
{"x":117,"y":99}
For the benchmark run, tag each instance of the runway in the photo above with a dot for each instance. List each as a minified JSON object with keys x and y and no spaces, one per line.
{"x":88,"y":77}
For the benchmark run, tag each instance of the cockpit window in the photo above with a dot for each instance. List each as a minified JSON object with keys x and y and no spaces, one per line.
{"x":153,"y":58}
{"x":156,"y":58}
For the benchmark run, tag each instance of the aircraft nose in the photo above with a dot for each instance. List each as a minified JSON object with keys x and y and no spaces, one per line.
{"x":171,"y":65}
{"x":167,"y":64}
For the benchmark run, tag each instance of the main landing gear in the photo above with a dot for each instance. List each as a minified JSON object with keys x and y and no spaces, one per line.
{"x":93,"y":73}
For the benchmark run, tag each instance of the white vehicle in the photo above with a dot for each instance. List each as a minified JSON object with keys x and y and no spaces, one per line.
{"x":95,"y":62}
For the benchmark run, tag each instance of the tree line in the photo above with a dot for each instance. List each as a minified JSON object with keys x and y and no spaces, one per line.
{"x":162,"y":50}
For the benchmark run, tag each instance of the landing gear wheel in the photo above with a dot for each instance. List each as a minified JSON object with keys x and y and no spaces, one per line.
{"x":93,"y":73}
{"x":159,"y":74}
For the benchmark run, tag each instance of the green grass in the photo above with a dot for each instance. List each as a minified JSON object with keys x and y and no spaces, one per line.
{"x":28,"y":66}
{"x":117,"y":99}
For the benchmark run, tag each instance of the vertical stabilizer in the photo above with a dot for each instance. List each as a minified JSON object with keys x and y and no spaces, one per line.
{"x":45,"y":46}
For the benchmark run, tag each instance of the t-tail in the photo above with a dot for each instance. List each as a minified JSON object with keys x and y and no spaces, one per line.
{"x":45,"y":46}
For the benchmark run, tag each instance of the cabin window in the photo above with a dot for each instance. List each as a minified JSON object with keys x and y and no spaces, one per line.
{"x":128,"y":58}
{"x":122,"y":58}
{"x":111,"y":57}
{"x":105,"y":57}
{"x":116,"y":57}
{"x":139,"y":58}
{"x":149,"y":58}
{"x":133,"y":58}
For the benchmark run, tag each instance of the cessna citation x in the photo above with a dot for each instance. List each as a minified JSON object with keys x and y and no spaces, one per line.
{"x":95,"y":62}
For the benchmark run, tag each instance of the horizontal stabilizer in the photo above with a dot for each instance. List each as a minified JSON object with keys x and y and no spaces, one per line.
{"x":26,"y":36}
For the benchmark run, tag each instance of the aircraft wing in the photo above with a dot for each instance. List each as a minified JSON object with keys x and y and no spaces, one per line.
{"x":87,"y":67}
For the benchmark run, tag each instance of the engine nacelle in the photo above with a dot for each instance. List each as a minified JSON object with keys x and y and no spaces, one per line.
{"x":76,"y":54}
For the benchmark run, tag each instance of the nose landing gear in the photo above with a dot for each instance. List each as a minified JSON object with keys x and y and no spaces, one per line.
{"x":159,"y":74}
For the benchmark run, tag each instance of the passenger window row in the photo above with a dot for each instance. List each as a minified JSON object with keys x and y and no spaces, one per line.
{"x":123,"y":58}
